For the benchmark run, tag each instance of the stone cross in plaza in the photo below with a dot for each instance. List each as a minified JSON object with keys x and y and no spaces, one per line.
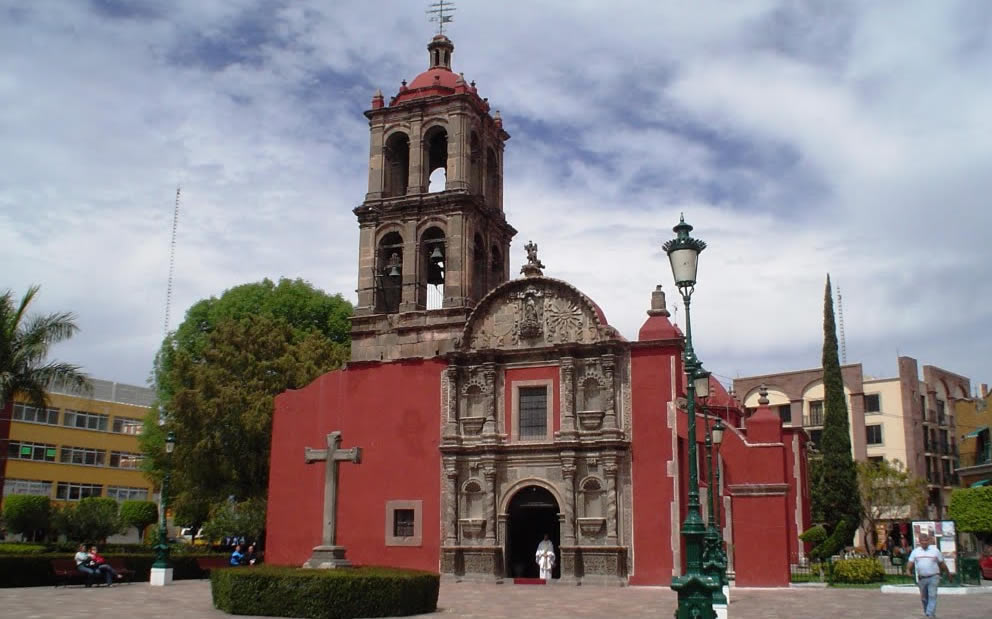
{"x":328,"y":554}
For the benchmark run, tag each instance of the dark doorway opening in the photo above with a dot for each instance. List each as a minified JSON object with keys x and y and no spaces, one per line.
{"x":533,"y":512}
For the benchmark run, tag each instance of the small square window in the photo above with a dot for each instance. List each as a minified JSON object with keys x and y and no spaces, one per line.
{"x":403,"y":523}
{"x":873,"y":435}
{"x":873,"y":403}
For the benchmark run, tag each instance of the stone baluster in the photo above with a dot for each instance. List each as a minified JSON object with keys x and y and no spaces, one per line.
{"x":490,"y":475}
{"x":451,"y":503}
{"x":608,"y":363}
{"x":610,"y":469}
{"x":568,"y":397}
{"x":568,"y":510}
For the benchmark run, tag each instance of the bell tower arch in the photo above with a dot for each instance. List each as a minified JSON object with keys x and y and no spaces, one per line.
{"x":429,"y":253}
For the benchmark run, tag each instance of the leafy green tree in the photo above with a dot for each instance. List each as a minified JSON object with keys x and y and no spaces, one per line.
{"x":972,"y":509}
{"x":216,"y":377}
{"x":138,"y":514}
{"x":237,"y":519}
{"x":836,"y":495}
{"x":888,"y":491}
{"x":27,"y":515}
{"x":93,"y":519}
{"x":24,"y":345}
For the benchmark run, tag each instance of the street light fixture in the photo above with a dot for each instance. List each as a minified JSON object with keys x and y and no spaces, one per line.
{"x":695,"y":589}
{"x":161,"y":572}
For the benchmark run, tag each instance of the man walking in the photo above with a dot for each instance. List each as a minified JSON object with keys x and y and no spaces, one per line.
{"x":928,"y":562}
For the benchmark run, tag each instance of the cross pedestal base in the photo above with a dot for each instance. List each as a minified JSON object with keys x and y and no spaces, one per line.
{"x":327,"y":558}
{"x":160,"y":576}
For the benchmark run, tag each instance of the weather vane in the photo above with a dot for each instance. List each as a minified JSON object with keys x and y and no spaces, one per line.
{"x":440,"y":12}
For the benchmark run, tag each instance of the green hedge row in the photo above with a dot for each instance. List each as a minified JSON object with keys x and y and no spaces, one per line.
{"x":275,"y":591}
{"x":35,"y":570}
{"x":860,"y":571}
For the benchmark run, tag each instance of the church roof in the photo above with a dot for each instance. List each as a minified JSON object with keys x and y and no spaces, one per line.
{"x":438,"y":80}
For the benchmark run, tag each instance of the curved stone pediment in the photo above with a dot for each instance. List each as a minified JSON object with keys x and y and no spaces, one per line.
{"x":531,"y":312}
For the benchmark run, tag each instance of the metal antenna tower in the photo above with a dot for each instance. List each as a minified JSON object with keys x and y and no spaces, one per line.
{"x":840,"y":322}
{"x":440,"y":12}
{"x":172,"y":262}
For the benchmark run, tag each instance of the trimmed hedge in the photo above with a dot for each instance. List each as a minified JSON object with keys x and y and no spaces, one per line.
{"x":35,"y":570}
{"x":276,"y":591}
{"x":860,"y":571}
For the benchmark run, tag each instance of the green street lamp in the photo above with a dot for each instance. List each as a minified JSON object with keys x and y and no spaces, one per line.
{"x":714,"y":558}
{"x":695,"y":589}
{"x":162,"y":547}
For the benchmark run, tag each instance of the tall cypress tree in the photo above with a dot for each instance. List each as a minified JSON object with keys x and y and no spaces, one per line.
{"x":837,"y":489}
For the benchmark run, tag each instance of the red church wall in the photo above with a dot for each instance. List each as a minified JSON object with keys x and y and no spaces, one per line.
{"x":651,"y":449}
{"x":398,"y":429}
{"x":518,"y":375}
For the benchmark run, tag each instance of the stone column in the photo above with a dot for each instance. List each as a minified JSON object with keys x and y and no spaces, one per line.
{"x":451,"y":503}
{"x":451,"y":429}
{"x":608,"y":363}
{"x":610,"y":469}
{"x":458,"y":152}
{"x":415,"y":180}
{"x":408,"y":300}
{"x":376,"y":162}
{"x":366,"y":269}
{"x":491,"y":428}
{"x":490,"y":475}
{"x":455,"y":262}
{"x":568,"y":398}
{"x":568,"y":509}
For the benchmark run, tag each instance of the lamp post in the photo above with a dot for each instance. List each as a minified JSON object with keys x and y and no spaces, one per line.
{"x":161,"y":573}
{"x":695,"y":589}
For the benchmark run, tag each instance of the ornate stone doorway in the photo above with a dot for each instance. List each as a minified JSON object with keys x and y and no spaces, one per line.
{"x":532,"y":513}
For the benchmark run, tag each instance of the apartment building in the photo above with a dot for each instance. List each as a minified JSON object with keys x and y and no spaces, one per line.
{"x":80,"y":446}
{"x":974,"y":418}
{"x":909,"y":417}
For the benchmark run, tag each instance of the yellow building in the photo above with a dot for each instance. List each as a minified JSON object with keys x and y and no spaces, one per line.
{"x":974,"y":420}
{"x":81,"y":445}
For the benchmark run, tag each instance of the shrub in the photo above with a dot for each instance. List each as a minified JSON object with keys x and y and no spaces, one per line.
{"x":14,"y":548}
{"x":324,"y":594}
{"x":92,"y":519}
{"x":139,"y":514}
{"x":28,"y":515}
{"x":814,"y":535}
{"x":971,"y":508}
{"x":860,"y":571}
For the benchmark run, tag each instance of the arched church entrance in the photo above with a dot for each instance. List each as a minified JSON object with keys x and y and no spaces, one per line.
{"x":532,"y":513}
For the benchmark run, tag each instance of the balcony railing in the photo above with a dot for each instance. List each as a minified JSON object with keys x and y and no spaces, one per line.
{"x":975,"y":459}
{"x":813,"y":419}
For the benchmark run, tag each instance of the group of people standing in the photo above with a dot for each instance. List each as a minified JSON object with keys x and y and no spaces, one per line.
{"x":92,"y":564}
{"x":248,"y":557}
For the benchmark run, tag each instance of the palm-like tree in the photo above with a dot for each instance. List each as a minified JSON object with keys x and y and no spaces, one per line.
{"x":24,"y":368}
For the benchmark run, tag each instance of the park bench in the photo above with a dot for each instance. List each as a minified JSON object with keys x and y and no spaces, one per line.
{"x":126,"y":574}
{"x":66,"y":573}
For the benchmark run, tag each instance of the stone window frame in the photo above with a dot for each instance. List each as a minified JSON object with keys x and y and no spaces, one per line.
{"x":549,"y":384}
{"x":417,"y":539}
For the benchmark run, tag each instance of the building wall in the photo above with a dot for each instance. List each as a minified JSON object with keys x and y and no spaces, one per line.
{"x":112,"y":400}
{"x":889,"y":417}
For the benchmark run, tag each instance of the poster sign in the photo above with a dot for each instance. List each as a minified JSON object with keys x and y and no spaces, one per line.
{"x":943,"y":534}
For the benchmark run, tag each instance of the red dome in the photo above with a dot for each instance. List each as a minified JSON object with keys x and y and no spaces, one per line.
{"x":431,"y":83}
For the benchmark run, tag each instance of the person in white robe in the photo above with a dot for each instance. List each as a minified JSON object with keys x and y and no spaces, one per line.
{"x":546,"y":557}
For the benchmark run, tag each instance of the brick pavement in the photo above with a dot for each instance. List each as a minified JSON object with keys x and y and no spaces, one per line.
{"x":191,"y":599}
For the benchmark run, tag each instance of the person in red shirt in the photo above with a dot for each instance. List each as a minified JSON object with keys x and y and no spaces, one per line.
{"x":101,"y":564}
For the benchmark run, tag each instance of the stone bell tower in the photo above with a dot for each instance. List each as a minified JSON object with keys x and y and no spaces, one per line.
{"x":433,"y":236}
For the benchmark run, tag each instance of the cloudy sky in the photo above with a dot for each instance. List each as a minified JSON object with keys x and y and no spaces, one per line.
{"x":799,"y":138}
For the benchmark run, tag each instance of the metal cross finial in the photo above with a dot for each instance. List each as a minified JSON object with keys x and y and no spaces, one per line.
{"x":440,"y":12}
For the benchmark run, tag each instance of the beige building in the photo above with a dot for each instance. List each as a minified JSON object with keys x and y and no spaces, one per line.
{"x":907,"y":418}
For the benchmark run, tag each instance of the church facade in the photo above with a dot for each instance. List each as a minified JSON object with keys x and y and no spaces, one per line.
{"x":492,"y":411}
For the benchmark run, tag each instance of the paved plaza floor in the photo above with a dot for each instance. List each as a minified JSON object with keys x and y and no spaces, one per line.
{"x":190,"y":599}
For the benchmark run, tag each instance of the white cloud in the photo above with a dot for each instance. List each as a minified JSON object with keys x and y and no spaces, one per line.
{"x":798,"y":142}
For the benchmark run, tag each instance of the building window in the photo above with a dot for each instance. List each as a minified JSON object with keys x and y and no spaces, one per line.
{"x":873,"y":403}
{"x":815,"y":436}
{"x":940,"y":412}
{"x":86,"y":421}
{"x":404,"y":523}
{"x":124,"y":493}
{"x":815,"y":413}
{"x":125,"y":460}
{"x":124,"y":425}
{"x":785,"y":413}
{"x":83,"y":455}
{"x":533,"y":403}
{"x":30,"y":414}
{"x":66,"y":491}
{"x":27,"y":486}
{"x":20,"y":450}
{"x":873,"y":435}
{"x":876,"y":460}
